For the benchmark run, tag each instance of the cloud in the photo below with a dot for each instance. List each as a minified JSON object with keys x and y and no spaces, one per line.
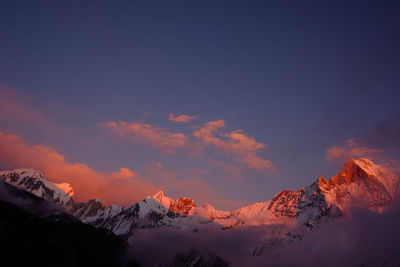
{"x":159,"y":164}
{"x":242,"y":147}
{"x":87,"y":182}
{"x":364,"y":239}
{"x":143,"y":133}
{"x":181,"y":118}
{"x":124,"y":187}
{"x":351,"y":149}
{"x":124,"y":173}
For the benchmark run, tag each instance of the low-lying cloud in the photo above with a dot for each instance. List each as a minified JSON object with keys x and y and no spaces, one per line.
{"x":363,"y":239}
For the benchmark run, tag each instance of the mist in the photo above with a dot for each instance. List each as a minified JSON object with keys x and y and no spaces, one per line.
{"x":364,"y":238}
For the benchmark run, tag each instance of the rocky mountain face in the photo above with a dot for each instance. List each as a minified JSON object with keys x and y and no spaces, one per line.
{"x":359,"y":183}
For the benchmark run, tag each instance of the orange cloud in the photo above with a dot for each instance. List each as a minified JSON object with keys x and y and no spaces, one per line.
{"x":86,"y":181}
{"x":124,"y":187}
{"x":181,"y":118}
{"x":242,"y":147}
{"x":351,"y":149}
{"x":124,"y":173}
{"x":158,"y":137}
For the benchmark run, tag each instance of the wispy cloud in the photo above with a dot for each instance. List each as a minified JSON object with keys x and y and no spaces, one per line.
{"x":143,"y":133}
{"x":242,"y":147}
{"x":236,"y":144}
{"x":181,"y":118}
{"x":351,"y":149}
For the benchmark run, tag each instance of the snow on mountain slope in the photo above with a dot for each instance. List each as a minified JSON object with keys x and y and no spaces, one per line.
{"x":360,"y":182}
{"x":89,"y":210}
{"x":389,"y":180}
{"x":208,"y":213}
{"x":164,"y":200}
{"x":35,"y":182}
{"x":145,"y":214}
{"x":258,"y":209}
{"x":181,"y":206}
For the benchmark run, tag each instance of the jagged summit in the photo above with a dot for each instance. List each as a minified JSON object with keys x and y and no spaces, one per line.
{"x":37,"y":183}
{"x":350,"y":173}
{"x":363,"y":182}
{"x":180,"y":206}
{"x":164,"y":200}
{"x":360,"y":181}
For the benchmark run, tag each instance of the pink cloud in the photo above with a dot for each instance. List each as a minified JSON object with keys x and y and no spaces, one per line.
{"x":242,"y":147}
{"x":143,"y":133}
{"x":351,"y":149}
{"x":123,"y":187}
{"x":124,"y":173}
{"x":87,"y":182}
{"x":159,"y":164}
{"x":181,"y":118}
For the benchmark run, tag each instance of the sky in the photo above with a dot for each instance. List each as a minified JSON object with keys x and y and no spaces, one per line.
{"x":226,"y":102}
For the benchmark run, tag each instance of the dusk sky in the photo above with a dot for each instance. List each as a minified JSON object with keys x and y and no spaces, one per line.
{"x":225,"y":102}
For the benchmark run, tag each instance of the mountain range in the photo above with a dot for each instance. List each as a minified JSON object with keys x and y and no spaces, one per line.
{"x":360,"y":184}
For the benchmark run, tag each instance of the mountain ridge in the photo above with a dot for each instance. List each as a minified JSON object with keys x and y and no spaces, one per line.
{"x":359,"y":182}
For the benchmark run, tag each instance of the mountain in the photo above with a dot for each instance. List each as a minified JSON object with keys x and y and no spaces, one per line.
{"x":181,"y":206}
{"x":360,"y":183}
{"x":35,"y":232}
{"x":42,"y":212}
{"x":36,"y":183}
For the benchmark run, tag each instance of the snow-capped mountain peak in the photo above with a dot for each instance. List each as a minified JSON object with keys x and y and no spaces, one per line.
{"x":37,"y":183}
{"x":359,"y":181}
{"x":164,"y":200}
{"x":180,"y":206}
{"x":387,"y":178}
{"x":67,"y":188}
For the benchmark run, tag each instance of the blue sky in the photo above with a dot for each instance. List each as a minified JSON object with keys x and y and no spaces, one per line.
{"x":300,"y":77}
